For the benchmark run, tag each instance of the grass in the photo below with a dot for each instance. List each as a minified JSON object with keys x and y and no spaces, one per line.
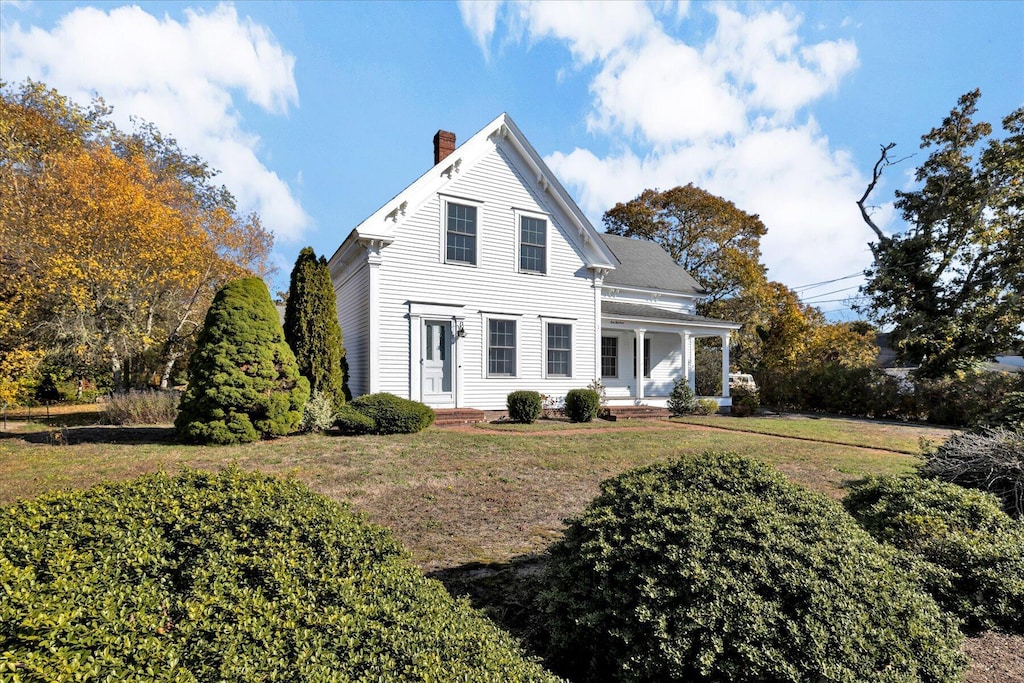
{"x":453,"y":497}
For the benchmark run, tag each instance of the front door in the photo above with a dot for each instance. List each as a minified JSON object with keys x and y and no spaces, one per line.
{"x":437,"y":363}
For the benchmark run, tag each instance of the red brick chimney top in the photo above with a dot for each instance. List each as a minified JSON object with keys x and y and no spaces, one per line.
{"x":444,"y":144}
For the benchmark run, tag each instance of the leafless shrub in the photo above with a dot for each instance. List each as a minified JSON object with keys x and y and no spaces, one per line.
{"x":142,"y":407}
{"x":989,"y":459}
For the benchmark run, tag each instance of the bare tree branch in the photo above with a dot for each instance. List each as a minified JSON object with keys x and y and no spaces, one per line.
{"x":876,"y":174}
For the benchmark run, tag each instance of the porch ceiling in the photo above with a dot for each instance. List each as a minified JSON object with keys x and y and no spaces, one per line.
{"x":640,"y":313}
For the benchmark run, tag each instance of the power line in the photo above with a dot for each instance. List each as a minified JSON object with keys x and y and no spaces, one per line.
{"x":834,"y":291}
{"x":859,"y":273}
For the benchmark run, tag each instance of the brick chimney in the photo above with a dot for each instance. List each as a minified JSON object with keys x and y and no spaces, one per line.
{"x":444,"y":144}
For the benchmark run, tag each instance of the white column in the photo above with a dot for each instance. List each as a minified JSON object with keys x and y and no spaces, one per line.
{"x":725,"y":365}
{"x":373,"y":260}
{"x":639,"y":360}
{"x":415,"y":358}
{"x":598,"y":281}
{"x":685,"y":359}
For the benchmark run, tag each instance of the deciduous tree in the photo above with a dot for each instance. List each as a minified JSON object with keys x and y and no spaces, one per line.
{"x":951,"y":285}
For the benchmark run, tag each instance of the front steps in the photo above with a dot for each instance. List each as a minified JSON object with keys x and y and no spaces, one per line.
{"x":447,"y":417}
{"x":636,"y":413}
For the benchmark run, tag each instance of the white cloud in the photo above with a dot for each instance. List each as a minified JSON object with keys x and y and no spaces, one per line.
{"x":480,"y":17}
{"x":729,"y":112}
{"x":183,"y":77}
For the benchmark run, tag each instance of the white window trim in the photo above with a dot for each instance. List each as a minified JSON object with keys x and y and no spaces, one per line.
{"x":443,"y":224}
{"x":519,"y":214}
{"x":572,"y":346}
{"x":486,"y":344}
{"x":600,"y":359}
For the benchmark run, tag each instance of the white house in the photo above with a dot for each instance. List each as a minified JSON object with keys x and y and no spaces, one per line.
{"x":484,"y":277}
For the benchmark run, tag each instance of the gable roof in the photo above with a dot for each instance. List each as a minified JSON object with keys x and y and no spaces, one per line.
{"x":646,"y":265}
{"x":381,"y":225}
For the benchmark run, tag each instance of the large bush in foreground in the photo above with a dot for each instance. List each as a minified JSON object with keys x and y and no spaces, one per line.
{"x":967,"y":551}
{"x":243,"y":383}
{"x":988,"y":459}
{"x":717,"y":569}
{"x":229,"y":577}
{"x":393,"y":414}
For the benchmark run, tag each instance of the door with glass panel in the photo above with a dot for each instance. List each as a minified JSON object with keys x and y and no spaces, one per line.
{"x":436,"y":363}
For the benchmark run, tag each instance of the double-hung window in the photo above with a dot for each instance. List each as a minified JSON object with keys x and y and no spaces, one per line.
{"x":533,"y":244}
{"x":609,"y":356}
{"x":647,"y":357}
{"x":559,"y":350}
{"x":461,"y":232}
{"x":501,"y":348}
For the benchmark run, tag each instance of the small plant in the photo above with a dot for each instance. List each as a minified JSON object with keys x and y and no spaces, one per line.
{"x":597,"y":385}
{"x":581,"y":405}
{"x":524,"y":406}
{"x":394,"y":415}
{"x":352,"y":422}
{"x":968,"y":553}
{"x":744,"y":402}
{"x":990,"y":459}
{"x":706,"y":406}
{"x":318,"y":414}
{"x":142,"y":407}
{"x":552,"y":406}
{"x":681,"y":401}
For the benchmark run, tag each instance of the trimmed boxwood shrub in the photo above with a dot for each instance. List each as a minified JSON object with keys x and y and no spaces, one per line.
{"x":394,"y":415}
{"x":581,"y":405}
{"x":524,"y":406}
{"x":716,"y":568}
{"x":227,"y":577}
{"x":968,"y":552}
{"x":351,"y":421}
{"x":681,"y":401}
{"x":243,"y":383}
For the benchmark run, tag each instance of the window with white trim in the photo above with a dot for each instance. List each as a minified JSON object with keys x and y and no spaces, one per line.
{"x":501,"y":348}
{"x":647,"y":357}
{"x":460,"y":233}
{"x":533,"y":244}
{"x":559,"y":350}
{"x":609,"y":356}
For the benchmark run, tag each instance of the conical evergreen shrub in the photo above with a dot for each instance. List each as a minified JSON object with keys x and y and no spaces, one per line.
{"x":311,"y":327}
{"x":243,"y":381}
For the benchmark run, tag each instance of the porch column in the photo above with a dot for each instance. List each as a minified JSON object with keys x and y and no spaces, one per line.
{"x":688,"y":375}
{"x":725,"y":365}
{"x":639,"y":360}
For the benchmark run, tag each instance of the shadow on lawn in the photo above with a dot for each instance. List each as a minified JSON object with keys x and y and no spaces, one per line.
{"x":506,"y":591}
{"x":112,"y":434}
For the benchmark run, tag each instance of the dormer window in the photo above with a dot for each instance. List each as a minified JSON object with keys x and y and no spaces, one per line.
{"x":533,"y":244}
{"x":461,"y":232}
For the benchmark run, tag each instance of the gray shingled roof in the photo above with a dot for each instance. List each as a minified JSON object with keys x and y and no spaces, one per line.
{"x":630,"y":310}
{"x":646,"y":264}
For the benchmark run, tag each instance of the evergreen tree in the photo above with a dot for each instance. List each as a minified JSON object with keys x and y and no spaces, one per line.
{"x":243,"y":381}
{"x":311,"y":327}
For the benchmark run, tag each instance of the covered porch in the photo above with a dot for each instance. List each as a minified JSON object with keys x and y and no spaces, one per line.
{"x":645,"y":349}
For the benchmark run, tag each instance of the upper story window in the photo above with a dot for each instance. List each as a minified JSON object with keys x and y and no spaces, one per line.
{"x":533,"y":244}
{"x":461,"y":233}
{"x":559,"y":350}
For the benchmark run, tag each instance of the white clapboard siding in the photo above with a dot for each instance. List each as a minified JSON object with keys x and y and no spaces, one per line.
{"x":663,"y":300}
{"x":353,"y":303}
{"x":413,"y":269}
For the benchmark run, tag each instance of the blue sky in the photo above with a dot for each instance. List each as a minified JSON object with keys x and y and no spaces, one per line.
{"x":317,"y":113}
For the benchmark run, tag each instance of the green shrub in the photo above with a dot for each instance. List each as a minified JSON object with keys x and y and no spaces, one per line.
{"x":394,"y":415}
{"x":524,"y":406}
{"x":1007,"y":413}
{"x":968,"y":552}
{"x":745,"y":402}
{"x":243,"y":383}
{"x":318,"y":415}
{"x":227,"y":577}
{"x":681,"y":401}
{"x":352,"y":422}
{"x":142,"y":407}
{"x":716,"y":568}
{"x":581,"y":405}
{"x":989,"y":459}
{"x":706,"y":406}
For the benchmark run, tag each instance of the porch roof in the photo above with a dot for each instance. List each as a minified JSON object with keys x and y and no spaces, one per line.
{"x":640,"y":312}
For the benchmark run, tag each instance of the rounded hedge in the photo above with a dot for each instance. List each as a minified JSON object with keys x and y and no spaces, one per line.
{"x":582,"y":405}
{"x":394,"y":415}
{"x":352,"y":422}
{"x":968,"y":552}
{"x":228,"y":577}
{"x":243,"y":382}
{"x":524,"y":406}
{"x":716,"y":568}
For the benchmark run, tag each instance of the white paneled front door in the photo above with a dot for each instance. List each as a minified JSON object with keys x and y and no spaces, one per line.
{"x":436,"y":361}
